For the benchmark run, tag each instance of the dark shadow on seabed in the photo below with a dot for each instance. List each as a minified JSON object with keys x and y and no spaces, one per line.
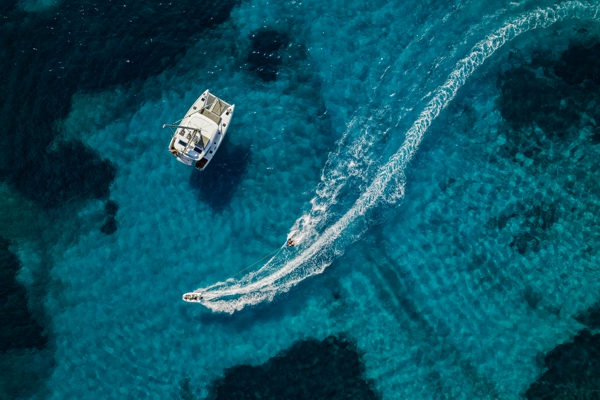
{"x":217,"y":184}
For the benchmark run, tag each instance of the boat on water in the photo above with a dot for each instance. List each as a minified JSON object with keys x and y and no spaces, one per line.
{"x":193,"y":297}
{"x":201,"y":131}
{"x":198,"y":296}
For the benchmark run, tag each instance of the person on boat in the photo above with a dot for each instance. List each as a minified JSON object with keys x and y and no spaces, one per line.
{"x":290,"y":242}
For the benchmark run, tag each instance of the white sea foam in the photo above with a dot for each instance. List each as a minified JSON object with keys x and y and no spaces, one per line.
{"x":316,"y":251}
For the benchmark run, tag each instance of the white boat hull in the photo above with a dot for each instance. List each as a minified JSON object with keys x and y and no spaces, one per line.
{"x":201,"y":131}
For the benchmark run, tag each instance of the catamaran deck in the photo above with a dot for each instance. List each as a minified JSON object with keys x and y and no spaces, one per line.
{"x":200,"y":133}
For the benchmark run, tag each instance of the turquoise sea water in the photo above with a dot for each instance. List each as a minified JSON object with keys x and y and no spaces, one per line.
{"x":437,"y":162}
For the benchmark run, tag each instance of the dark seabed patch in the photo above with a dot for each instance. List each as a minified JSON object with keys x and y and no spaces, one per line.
{"x":218,"y":183}
{"x":590,"y":317}
{"x":111,"y":207}
{"x":71,"y":172}
{"x":551,"y":94}
{"x":110,"y":223}
{"x":23,"y":337}
{"x":273,"y":52}
{"x":529,"y":99}
{"x":579,"y":64}
{"x":548,"y":103}
{"x":264,"y":57}
{"x":572,"y":370}
{"x":310,"y":369}
{"x":19,"y":329}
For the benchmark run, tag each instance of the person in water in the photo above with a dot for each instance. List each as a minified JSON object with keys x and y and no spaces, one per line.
{"x":291,"y":242}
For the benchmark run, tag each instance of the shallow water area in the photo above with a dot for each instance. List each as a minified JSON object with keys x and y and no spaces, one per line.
{"x":454,"y":251}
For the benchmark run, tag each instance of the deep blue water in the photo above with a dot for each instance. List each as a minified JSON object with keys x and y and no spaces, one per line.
{"x":436,"y":162}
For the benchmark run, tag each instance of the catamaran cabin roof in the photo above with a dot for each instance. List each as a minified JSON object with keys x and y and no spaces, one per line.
{"x":206,"y":126}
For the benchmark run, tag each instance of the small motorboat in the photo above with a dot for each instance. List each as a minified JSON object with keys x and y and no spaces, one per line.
{"x":193,"y":297}
{"x":199,"y":134}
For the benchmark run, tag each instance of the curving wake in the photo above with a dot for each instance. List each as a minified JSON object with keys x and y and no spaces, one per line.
{"x":316,"y":251}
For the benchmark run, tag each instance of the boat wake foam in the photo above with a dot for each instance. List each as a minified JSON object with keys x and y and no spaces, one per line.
{"x":317,"y":251}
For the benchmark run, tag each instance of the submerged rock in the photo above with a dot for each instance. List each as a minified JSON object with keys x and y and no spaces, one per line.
{"x":590,"y":317}
{"x":528,"y":100}
{"x":111,"y":207}
{"x":573,"y":371}
{"x":579,"y":64}
{"x":263,"y":58}
{"x":19,"y":329}
{"x":310,"y":369}
{"x":72,"y":172}
{"x":110,"y":226}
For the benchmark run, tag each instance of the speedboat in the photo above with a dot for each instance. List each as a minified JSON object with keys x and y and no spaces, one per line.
{"x":201,"y":131}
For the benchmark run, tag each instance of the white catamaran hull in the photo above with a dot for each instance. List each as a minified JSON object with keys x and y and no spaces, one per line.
{"x":201,"y":131}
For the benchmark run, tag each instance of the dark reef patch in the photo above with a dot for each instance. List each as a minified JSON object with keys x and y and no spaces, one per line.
{"x":71,"y":172}
{"x":111,"y":207}
{"x":528,"y":100}
{"x":579,"y":64}
{"x":110,"y":225}
{"x":547,"y":101}
{"x":590,"y":317}
{"x":541,"y":216}
{"x":446,"y":183}
{"x":310,"y":369}
{"x":218,"y":183}
{"x":18,"y":327}
{"x":264,"y":58}
{"x":26,"y":354}
{"x":572,"y":371}
{"x":272,"y":52}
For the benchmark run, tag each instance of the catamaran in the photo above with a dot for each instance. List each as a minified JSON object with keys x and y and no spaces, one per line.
{"x":199,"y":134}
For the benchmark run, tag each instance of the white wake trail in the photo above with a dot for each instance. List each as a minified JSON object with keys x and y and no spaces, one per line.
{"x":317,"y":252}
